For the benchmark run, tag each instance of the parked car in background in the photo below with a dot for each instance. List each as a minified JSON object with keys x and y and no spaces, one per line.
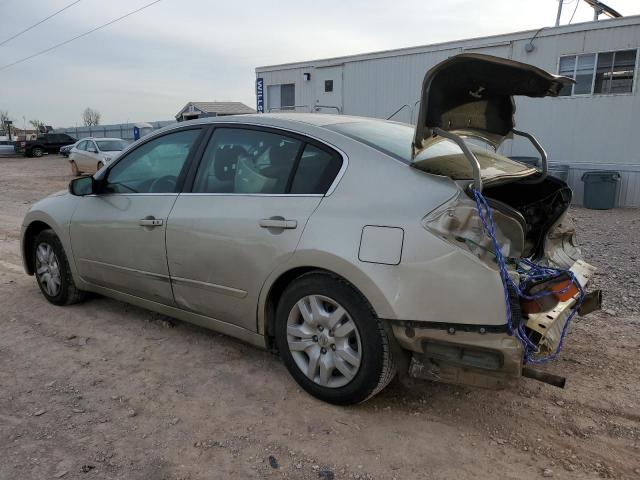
{"x":6,"y":147}
{"x":91,"y":154}
{"x":44,"y":143}
{"x":64,"y":151}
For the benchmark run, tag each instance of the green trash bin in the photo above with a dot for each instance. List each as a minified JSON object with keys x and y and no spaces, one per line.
{"x":600,"y":189}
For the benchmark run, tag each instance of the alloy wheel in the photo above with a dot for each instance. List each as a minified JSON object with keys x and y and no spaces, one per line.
{"x":48,"y":269}
{"x":324,"y":341}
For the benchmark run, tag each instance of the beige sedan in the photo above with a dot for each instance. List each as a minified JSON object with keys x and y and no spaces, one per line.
{"x":89,"y":155}
{"x":354,"y":247}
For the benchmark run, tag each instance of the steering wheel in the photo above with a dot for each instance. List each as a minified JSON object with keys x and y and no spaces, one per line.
{"x":166,"y":184}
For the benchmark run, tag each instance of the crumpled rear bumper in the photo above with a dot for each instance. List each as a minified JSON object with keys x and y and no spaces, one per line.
{"x":484,"y":356}
{"x":489,"y":359}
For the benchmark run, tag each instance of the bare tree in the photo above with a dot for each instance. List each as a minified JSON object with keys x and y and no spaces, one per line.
{"x":37,"y":124}
{"x":90,"y":117}
{"x":4,"y":116}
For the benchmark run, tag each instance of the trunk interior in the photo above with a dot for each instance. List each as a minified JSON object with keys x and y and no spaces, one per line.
{"x":536,"y":206}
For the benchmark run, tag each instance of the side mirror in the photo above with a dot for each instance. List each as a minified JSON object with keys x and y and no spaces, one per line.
{"x":92,"y":150}
{"x":83,"y":186}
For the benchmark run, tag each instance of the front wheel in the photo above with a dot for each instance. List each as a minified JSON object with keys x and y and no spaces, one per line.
{"x":330,"y":340}
{"x":37,"y":152}
{"x":52,"y":270}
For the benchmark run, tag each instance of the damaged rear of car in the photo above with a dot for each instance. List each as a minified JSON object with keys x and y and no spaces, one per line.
{"x":509,"y":215}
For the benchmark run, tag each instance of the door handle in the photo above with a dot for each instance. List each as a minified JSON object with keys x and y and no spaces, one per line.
{"x":151,"y":222}
{"x":278,"y":223}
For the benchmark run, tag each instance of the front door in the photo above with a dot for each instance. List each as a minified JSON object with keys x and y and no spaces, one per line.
{"x":118,"y":236}
{"x":252,"y":195}
{"x":328,"y":85}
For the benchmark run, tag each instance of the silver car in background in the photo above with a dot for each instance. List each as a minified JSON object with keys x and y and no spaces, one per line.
{"x":91,"y":154}
{"x":352,"y":246}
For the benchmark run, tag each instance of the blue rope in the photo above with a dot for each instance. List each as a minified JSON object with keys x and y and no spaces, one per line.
{"x":529,"y":272}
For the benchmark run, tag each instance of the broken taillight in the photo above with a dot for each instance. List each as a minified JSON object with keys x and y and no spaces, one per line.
{"x":559,"y":289}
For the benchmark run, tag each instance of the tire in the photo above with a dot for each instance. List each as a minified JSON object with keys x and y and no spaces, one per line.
{"x":298,"y":342}
{"x":74,"y":168}
{"x":37,"y":152}
{"x":66,"y":292}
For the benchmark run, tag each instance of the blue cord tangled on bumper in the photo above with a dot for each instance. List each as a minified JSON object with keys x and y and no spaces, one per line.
{"x":530,"y":272}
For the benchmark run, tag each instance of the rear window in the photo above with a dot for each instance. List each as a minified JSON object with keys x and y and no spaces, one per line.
{"x":442,"y":157}
{"x":111,"y":145}
{"x":391,"y":138}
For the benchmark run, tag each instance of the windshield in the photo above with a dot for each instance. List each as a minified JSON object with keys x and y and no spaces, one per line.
{"x":442,"y":157}
{"x":111,"y":145}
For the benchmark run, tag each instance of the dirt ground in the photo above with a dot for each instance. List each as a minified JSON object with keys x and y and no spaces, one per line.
{"x":105,"y":390}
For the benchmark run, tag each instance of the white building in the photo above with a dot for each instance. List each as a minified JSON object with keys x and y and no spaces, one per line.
{"x":593,"y":126}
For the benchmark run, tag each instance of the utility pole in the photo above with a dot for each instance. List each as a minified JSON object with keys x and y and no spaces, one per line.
{"x":560,"y":2}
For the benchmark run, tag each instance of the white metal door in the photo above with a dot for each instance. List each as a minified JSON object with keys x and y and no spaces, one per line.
{"x":328,"y":85}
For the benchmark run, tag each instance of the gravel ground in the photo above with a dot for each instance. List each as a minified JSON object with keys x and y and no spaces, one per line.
{"x":104,"y":390}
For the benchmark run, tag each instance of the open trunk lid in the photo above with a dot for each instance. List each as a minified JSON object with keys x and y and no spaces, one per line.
{"x":471,"y":95}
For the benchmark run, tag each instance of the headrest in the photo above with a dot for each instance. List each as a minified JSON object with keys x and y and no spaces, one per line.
{"x":225,"y":160}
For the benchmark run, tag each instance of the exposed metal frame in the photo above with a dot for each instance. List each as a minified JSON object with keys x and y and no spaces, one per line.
{"x":541,"y":151}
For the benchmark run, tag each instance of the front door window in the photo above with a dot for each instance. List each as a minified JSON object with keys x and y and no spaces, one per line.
{"x":153,"y":167}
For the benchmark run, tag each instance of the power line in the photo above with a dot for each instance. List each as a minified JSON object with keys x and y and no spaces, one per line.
{"x":574,"y":13}
{"x":4,"y":67}
{"x":41,"y":21}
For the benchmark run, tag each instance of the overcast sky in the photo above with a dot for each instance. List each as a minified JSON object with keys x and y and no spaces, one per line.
{"x":147,"y":66}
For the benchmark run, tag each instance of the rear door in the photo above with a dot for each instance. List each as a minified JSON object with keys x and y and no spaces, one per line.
{"x":252,"y":195}
{"x":118,"y":236}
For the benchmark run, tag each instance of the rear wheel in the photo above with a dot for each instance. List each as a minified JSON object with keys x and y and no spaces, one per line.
{"x":37,"y":152}
{"x":52,"y":270}
{"x":330,"y":340}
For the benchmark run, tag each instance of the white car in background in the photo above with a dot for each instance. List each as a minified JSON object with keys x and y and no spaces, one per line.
{"x":91,"y":154}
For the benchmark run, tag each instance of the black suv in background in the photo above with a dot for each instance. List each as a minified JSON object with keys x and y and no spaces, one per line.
{"x":45,"y":143}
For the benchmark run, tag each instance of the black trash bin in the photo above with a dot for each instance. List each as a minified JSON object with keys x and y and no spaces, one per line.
{"x":600,"y":189}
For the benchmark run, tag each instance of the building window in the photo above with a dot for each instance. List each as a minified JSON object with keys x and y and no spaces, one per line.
{"x":614,"y":73}
{"x":281,"y":97}
{"x":328,"y":85}
{"x":288,"y":95}
{"x":599,"y":73}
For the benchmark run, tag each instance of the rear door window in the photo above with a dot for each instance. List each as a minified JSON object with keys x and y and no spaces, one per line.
{"x":247,"y":162}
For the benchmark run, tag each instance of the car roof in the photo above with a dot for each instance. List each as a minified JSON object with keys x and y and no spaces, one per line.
{"x":316,"y":119}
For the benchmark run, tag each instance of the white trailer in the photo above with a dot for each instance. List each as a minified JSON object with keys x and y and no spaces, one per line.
{"x":595,"y":125}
